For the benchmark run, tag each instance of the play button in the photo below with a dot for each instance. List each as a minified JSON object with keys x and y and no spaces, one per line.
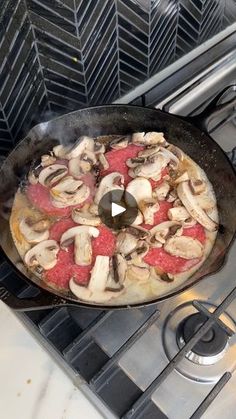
{"x":117,"y":209}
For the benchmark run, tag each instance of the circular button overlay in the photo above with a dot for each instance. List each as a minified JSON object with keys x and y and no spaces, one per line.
{"x":117,"y":209}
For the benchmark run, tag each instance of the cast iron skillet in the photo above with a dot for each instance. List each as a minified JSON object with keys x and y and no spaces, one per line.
{"x":189,"y":134}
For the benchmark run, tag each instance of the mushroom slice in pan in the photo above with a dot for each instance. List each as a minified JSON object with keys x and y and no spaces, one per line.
{"x":47,"y":160}
{"x":96,"y":290}
{"x":161,"y":191}
{"x":150,"y":138}
{"x":149,"y":207}
{"x":182,"y":178}
{"x":152,"y":167}
{"x":176,"y":151}
{"x":120,"y":142}
{"x":206,"y":202}
{"x":149,"y":151}
{"x":135,"y":161}
{"x":138,"y":220}
{"x":173,"y":160}
{"x":52,"y":174}
{"x":78,"y":167}
{"x":60,"y":151}
{"x":178,"y":214}
{"x":84,"y":143}
{"x":81,"y":235}
{"x":99,"y":148}
{"x":44,"y":254}
{"x":139,"y":232}
{"x":139,"y":252}
{"x":140,"y":188}
{"x":85,"y":217}
{"x":103,"y":161}
{"x":197,"y":186}
{"x":110,"y":182}
{"x":34,"y":231}
{"x":192,"y":206}
{"x":125,"y":243}
{"x":69,"y":192}
{"x":164,"y":230}
{"x":138,"y":273}
{"x":184,"y":247}
{"x":116,"y":277}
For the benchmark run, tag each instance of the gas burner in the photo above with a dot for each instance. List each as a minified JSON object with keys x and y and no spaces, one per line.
{"x":211,"y":348}
{"x":214,"y":354}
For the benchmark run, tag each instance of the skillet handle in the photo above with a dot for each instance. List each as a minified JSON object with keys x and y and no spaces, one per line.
{"x":42,"y":301}
{"x":212,"y":110}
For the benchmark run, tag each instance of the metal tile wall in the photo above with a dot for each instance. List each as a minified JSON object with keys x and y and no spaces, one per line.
{"x":57,"y":56}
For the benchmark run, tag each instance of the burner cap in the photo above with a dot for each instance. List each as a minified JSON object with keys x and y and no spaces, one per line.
{"x":211,"y":344}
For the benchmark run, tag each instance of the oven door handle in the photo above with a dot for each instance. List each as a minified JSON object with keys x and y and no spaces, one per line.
{"x":212,"y":110}
{"x":43,"y":300}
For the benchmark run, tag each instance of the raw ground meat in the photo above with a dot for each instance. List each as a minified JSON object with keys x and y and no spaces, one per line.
{"x":65,"y":268}
{"x":172,"y":264}
{"x":59,"y":227}
{"x":117,"y":161}
{"x":39,"y":196}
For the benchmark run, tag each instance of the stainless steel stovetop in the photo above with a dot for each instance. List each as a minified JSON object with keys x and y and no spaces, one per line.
{"x":133,"y":364}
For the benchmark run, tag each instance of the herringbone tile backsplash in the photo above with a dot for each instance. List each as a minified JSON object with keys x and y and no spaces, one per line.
{"x":60,"y":55}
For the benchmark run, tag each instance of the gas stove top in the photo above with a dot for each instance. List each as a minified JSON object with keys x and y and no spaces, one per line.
{"x":175,"y":360}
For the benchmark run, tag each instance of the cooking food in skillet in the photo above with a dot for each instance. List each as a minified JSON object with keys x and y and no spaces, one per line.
{"x":60,"y":236}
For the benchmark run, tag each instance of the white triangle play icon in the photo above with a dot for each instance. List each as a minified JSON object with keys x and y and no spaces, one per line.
{"x":116,"y":209}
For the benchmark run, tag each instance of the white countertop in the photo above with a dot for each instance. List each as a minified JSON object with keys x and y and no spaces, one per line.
{"x":32,"y":386}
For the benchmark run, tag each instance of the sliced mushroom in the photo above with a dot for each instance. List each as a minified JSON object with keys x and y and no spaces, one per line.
{"x":206,"y":202}
{"x":173,"y":160}
{"x":44,"y":254}
{"x":77,"y":167}
{"x":83,"y":144}
{"x":96,"y":290}
{"x":149,"y":151}
{"x":197,"y":186}
{"x":190,"y":222}
{"x":93,"y":209}
{"x":176,"y":151}
{"x":138,"y":220}
{"x":138,"y":273}
{"x":152,"y":167}
{"x":60,"y":151}
{"x":192,"y":206}
{"x":178,"y":214}
{"x":135,"y":161}
{"x":47,"y":160}
{"x":34,"y":232}
{"x":116,"y":278}
{"x":138,"y":232}
{"x":83,"y":247}
{"x":110,"y":182}
{"x":99,"y":148}
{"x":150,"y":138}
{"x":69,"y":192}
{"x":33,"y":178}
{"x":103,"y":161}
{"x":52,"y":174}
{"x":163,"y":231}
{"x":149,"y":207}
{"x":182,"y":178}
{"x":184,"y":247}
{"x":125,"y":243}
{"x":139,"y":252}
{"x":119,"y":143}
{"x":140,"y":188}
{"x":171,"y":196}
{"x":85,"y":217}
{"x":161,"y":191}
